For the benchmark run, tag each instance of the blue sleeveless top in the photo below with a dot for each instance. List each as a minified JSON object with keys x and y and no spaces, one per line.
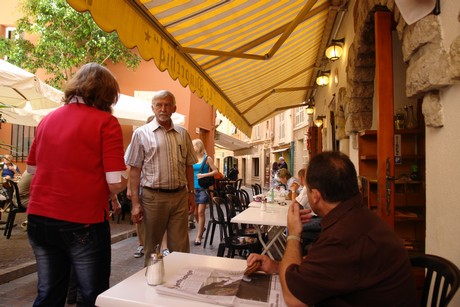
{"x":196,"y":169}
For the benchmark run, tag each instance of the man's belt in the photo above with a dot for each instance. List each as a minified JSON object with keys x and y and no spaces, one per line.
{"x":164,"y":190}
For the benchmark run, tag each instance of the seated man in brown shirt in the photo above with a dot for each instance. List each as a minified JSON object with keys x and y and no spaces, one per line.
{"x":357,"y":260}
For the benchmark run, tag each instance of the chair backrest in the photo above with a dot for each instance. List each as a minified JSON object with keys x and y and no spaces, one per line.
{"x":234,"y":202}
{"x":256,"y":189}
{"x":219,"y":202}
{"x":442,"y":279}
{"x":238,"y":183}
{"x":15,"y":195}
{"x":243,"y":195}
{"x":230,"y":211}
{"x":230,"y":189}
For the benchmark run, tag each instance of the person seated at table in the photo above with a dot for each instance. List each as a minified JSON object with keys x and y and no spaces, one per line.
{"x":9,"y":168}
{"x":357,"y":259}
{"x":24,"y":192}
{"x":292,"y":184}
{"x":310,"y":230}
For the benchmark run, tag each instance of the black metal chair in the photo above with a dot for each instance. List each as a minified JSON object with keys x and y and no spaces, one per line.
{"x":220,"y":186}
{"x":126,"y":205}
{"x":243,"y":195}
{"x":442,"y":279}
{"x":234,"y":207}
{"x":213,"y":219}
{"x":256,"y":189}
{"x":15,"y":206}
{"x":238,"y":183}
{"x":232,"y":240}
{"x":230,"y":189}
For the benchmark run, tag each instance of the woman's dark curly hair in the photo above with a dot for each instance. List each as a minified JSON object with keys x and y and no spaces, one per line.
{"x":96,"y":85}
{"x":333,"y":174}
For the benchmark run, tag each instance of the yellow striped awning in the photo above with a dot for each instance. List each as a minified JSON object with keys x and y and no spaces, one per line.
{"x":249,"y":59}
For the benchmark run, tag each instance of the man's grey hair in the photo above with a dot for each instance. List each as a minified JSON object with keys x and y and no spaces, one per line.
{"x":164,"y":94}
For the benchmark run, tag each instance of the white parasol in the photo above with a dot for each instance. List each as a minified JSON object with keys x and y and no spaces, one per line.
{"x":18,"y":86}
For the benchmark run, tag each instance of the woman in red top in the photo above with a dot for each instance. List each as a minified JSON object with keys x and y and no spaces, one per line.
{"x":77,"y":162}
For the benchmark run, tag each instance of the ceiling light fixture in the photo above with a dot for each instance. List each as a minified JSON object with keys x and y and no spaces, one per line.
{"x":335,"y":49}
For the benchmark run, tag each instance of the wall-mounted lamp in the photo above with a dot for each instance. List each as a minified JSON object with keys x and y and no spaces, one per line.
{"x":2,"y":120}
{"x":335,"y":49}
{"x":319,"y":120}
{"x":309,"y":110}
{"x":323,"y":78}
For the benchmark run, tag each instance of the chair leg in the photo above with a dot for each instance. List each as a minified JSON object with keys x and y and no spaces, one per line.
{"x":207,"y":233}
{"x":221,"y":250}
{"x":212,"y":233}
{"x":10,"y":222}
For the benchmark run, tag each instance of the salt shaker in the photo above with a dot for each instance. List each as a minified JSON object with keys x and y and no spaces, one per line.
{"x":155,"y":270}
{"x":263,"y":206}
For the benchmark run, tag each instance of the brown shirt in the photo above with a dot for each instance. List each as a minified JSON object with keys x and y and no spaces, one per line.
{"x":356,"y":261}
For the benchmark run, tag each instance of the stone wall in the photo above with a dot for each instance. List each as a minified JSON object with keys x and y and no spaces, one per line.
{"x":431,"y":65}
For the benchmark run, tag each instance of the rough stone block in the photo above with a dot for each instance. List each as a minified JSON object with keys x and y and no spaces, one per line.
{"x":428,"y":70}
{"x":426,"y":30}
{"x":361,"y":89}
{"x":359,"y":105}
{"x":454,"y":55}
{"x":358,"y":121}
{"x":432,"y":110}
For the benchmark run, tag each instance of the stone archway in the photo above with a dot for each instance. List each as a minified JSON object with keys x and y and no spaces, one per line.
{"x":431,"y":65}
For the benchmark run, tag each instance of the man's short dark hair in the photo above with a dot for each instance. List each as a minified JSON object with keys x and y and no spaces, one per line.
{"x":333,"y":174}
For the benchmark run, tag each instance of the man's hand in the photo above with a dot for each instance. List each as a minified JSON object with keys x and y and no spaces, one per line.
{"x":295,"y":217}
{"x":191,"y":203}
{"x":267,"y":265}
{"x":137,"y":214}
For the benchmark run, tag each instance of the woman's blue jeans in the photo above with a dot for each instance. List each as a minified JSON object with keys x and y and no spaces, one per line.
{"x":59,"y":244}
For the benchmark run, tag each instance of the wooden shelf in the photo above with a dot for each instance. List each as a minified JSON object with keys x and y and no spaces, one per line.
{"x":409,"y":198}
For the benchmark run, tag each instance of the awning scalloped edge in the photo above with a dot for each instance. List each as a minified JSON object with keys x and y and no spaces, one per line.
{"x":120,"y":16}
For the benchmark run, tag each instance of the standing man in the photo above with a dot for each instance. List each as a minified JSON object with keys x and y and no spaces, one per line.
{"x":164,"y":153}
{"x":357,"y":260}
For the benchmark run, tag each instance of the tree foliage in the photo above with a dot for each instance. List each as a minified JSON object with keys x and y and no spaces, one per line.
{"x":55,"y":37}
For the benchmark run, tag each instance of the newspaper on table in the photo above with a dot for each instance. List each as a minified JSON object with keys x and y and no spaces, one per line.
{"x":225,"y":287}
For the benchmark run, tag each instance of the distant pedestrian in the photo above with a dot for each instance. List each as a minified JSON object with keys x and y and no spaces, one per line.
{"x":233,"y":173}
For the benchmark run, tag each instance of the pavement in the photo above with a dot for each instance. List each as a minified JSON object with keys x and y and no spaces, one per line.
{"x":18,"y":278}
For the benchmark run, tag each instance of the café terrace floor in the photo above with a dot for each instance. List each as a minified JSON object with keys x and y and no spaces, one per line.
{"x":18,"y":280}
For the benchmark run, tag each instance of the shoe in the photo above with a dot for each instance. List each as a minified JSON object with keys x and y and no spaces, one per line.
{"x":192,"y":226}
{"x":197,"y":243}
{"x":139,"y":252}
{"x":165,"y":252}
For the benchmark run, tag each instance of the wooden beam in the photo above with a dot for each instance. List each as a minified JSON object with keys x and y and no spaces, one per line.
{"x":385,"y":105}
